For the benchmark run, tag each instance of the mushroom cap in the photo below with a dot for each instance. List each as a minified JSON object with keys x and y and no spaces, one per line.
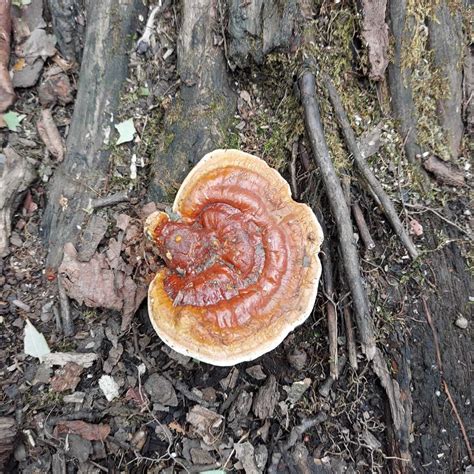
{"x":242,"y":261}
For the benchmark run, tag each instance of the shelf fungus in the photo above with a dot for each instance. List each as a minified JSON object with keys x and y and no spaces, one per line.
{"x":242,"y":266}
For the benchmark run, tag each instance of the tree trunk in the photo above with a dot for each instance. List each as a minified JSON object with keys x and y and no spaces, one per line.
{"x":202,"y":112}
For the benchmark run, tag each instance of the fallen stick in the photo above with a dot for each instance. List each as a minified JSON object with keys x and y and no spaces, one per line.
{"x":67,"y":323}
{"x":362,"y":226}
{"x":111,"y":200}
{"x":340,"y":212}
{"x":294,"y":155}
{"x":143,"y":42}
{"x":7,"y":95}
{"x":328,"y":279}
{"x":366,"y":172}
{"x":350,"y":338}
{"x":401,"y":416}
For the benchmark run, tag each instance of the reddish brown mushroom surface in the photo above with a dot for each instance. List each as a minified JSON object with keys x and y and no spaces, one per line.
{"x":242,"y":266}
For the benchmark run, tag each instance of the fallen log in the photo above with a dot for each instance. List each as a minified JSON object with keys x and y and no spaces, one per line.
{"x":81,"y":176}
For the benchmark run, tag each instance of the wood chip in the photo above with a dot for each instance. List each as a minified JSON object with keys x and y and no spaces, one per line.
{"x":67,"y":378}
{"x":266,"y":399}
{"x":206,"y":423}
{"x":85,"y":430}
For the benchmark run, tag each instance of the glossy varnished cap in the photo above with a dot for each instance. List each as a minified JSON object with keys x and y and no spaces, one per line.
{"x":242,"y":267}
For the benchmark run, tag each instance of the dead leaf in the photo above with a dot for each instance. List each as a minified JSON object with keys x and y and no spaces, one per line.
{"x":50,"y":135}
{"x":28,"y":76}
{"x":137,"y":396}
{"x":176,"y":427}
{"x":93,"y":233}
{"x":375,"y":35}
{"x":123,"y":221}
{"x":55,"y":88}
{"x":85,"y":430}
{"x":67,"y":378}
{"x":98,"y":284}
{"x":416,"y":228}
{"x":29,"y":206}
{"x":114,"y":356}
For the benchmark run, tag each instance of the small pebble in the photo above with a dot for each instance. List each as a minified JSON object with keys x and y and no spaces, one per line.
{"x":461,"y":322}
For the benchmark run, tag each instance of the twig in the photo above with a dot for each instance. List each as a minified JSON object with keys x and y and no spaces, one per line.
{"x":443,"y":380}
{"x":305,"y":158}
{"x":294,"y":155}
{"x":346,"y":188}
{"x":340,"y":211}
{"x":366,"y":172}
{"x":111,"y":200}
{"x":362,"y":226}
{"x":68,"y":324}
{"x":350,"y":338}
{"x":328,"y":278}
{"x":326,"y":386}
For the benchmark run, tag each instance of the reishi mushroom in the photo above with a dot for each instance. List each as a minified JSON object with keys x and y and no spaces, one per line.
{"x":242,"y":266}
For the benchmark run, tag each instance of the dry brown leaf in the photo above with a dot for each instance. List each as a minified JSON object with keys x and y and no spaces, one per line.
{"x":50,"y":135}
{"x":67,"y":378}
{"x":416,"y":228}
{"x":85,"y":430}
{"x":176,"y":427}
{"x":98,"y":285}
{"x":55,"y":88}
{"x":137,"y":396}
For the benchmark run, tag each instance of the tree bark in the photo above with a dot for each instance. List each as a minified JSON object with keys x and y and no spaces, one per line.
{"x":257,"y":27}
{"x":446,"y":41}
{"x":82,"y":175}
{"x":68,"y":30}
{"x":199,"y":117}
{"x":399,"y":78}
